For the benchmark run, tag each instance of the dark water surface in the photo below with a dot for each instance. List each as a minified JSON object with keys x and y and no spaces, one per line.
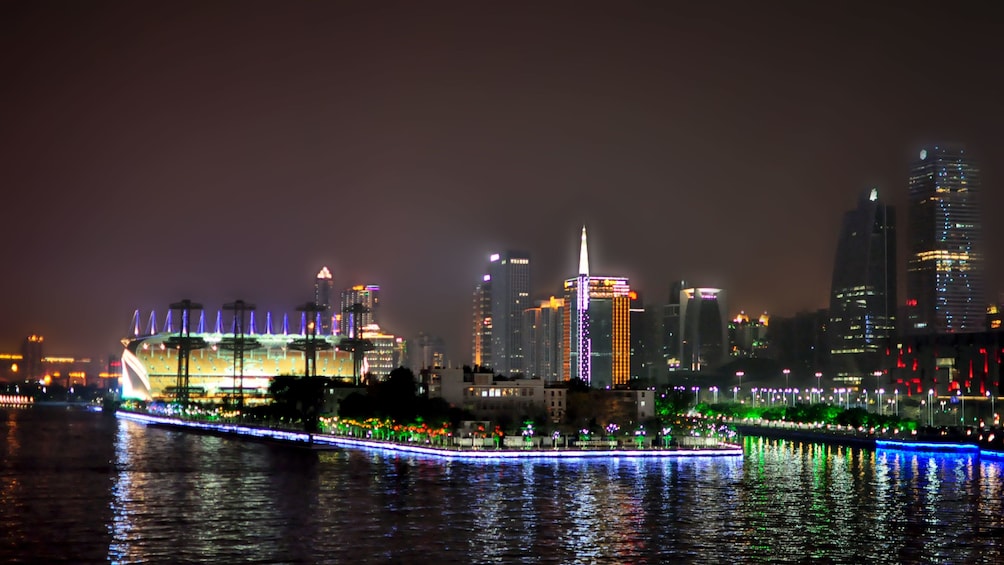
{"x":81,"y":487}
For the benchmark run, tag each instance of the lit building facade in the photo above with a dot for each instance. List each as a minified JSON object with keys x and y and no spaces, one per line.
{"x":945,"y":271}
{"x":703,"y":330}
{"x":607,"y":330}
{"x":387,"y":354}
{"x":150,"y":367}
{"x":542,"y":333}
{"x":863,"y":292}
{"x":481,"y":323}
{"x":367,"y":295}
{"x":323,"y":289}
{"x":510,"y":295}
{"x":748,"y":337}
{"x":596,"y":333}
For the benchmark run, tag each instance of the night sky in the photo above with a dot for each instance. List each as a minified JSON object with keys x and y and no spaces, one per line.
{"x":153,"y":151}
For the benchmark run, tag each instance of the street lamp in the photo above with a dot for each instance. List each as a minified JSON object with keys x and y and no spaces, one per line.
{"x":786,"y":373}
{"x":963,"y":419}
{"x":819,"y":377}
{"x":930,"y":407}
{"x":896,"y":403}
{"x":881,"y":407}
{"x":714,"y":390}
{"x":866,"y":399}
{"x":993,"y":412}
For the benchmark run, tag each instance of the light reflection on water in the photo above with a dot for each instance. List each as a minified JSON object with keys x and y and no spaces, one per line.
{"x":117,"y":491}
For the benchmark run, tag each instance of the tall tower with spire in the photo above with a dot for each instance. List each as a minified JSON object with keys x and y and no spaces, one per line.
{"x":583,"y":365}
{"x":596,"y":340}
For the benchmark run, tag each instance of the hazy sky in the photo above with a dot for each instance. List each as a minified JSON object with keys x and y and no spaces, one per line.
{"x":153,"y":151}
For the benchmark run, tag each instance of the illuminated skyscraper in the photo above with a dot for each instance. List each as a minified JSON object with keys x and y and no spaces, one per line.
{"x":481,"y":326}
{"x":510,"y":295}
{"x":944,"y":283}
{"x":597,"y":335}
{"x":368,"y":296}
{"x":863,"y":293}
{"x":323,"y":286}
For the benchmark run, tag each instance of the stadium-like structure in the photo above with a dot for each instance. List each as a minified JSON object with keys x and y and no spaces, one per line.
{"x":150,"y":365}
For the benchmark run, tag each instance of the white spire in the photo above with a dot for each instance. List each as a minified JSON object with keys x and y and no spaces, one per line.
{"x":583,"y":255}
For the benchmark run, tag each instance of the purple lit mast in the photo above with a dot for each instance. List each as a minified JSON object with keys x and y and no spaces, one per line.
{"x":583,"y":366}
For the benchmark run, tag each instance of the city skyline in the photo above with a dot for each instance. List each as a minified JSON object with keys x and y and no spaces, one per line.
{"x":718,"y":145}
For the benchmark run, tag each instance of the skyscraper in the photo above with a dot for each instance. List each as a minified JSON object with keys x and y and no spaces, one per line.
{"x":481,"y":326}
{"x":863,"y":293}
{"x":510,"y":295}
{"x":945,"y":292}
{"x":670,"y":334}
{"x":366,"y":295}
{"x":323,"y":286}
{"x":703,"y":333}
{"x":596,"y":341}
{"x":542,"y":331}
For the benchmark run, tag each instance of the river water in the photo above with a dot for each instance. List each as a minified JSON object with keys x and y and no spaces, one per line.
{"x":83,"y":487}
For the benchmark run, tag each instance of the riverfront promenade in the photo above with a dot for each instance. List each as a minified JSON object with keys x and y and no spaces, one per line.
{"x":987,"y":442}
{"x":442,"y":449}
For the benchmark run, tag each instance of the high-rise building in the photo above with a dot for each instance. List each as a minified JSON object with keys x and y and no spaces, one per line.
{"x":386,"y":354}
{"x":367,"y":296}
{"x":646,"y":358}
{"x":704,"y":338}
{"x":944,"y":279}
{"x":799,"y":342}
{"x":429,"y":351}
{"x":748,"y":338}
{"x":596,"y":342}
{"x":863,"y":293}
{"x":510,"y":295}
{"x":323,"y":286}
{"x":542,"y":331}
{"x":670,"y":334}
{"x":481,"y":323}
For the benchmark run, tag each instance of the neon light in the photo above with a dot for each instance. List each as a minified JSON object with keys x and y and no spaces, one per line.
{"x":583,"y":369}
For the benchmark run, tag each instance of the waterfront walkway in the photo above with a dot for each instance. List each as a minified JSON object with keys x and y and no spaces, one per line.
{"x":332,"y":441}
{"x":988,"y":442}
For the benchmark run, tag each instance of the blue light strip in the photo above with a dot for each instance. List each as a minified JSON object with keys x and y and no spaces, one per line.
{"x":338,"y":441}
{"x":926,"y":446}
